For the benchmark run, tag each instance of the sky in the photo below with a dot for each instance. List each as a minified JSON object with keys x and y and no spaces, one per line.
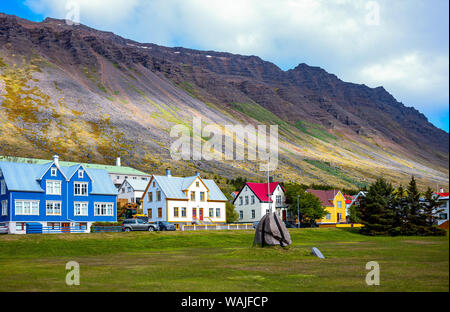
{"x":402,"y":45}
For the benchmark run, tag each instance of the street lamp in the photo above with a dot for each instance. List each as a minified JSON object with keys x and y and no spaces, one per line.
{"x":298,"y":210}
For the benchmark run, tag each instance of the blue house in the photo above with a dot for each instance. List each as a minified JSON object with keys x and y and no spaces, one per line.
{"x":58,"y":198}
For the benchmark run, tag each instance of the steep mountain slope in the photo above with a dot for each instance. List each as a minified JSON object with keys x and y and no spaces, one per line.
{"x":91,"y":96}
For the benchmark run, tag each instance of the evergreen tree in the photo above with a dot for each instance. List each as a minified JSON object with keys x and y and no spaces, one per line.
{"x":413,"y":222}
{"x":377,"y":210}
{"x":430,"y":211}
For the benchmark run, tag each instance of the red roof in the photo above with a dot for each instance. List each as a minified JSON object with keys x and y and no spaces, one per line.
{"x":260,"y":190}
{"x":442,"y":194}
{"x":326,"y":197}
{"x":349,"y":198}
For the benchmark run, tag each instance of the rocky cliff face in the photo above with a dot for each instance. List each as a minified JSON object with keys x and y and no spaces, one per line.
{"x":91,"y":95}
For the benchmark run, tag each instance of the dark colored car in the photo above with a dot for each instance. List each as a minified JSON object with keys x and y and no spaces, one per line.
{"x":290,"y":225}
{"x":129,"y":225}
{"x":165,"y":226}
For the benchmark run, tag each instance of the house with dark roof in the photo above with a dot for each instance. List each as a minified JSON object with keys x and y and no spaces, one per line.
{"x":442,"y":215}
{"x":334,"y":203}
{"x":255,"y":200}
{"x":55,"y":197}
{"x":183,"y":200}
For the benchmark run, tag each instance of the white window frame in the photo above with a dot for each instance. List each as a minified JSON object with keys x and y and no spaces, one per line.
{"x":80,"y":174}
{"x":328,"y":216}
{"x":4,"y":207}
{"x":23,"y":201}
{"x":54,"y":172}
{"x":253,"y":199}
{"x":211,"y":212}
{"x":218,"y":213}
{"x":241,"y":214}
{"x":52,"y":183}
{"x":81,"y":188}
{"x":53,"y":202}
{"x":107,"y":214}
{"x":80,"y":214}
{"x":339,"y":204}
{"x":3,"y":187}
{"x":253,"y":213}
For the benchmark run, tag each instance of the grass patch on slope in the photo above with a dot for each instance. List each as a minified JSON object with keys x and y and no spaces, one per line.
{"x":334,"y":171}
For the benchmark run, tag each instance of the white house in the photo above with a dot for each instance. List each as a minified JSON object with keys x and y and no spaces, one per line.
{"x":132,"y":190}
{"x":183,"y":200}
{"x":443,"y":200}
{"x":252,"y":202}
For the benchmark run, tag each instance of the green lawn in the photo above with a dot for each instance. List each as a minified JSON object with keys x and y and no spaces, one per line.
{"x":222,"y":261}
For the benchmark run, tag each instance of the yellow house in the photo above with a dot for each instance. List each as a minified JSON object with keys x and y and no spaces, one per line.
{"x":334,"y":203}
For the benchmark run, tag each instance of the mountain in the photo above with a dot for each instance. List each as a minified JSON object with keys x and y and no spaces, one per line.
{"x":91,"y":95}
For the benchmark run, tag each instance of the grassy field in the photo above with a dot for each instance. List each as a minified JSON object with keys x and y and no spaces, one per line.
{"x":222,"y":261}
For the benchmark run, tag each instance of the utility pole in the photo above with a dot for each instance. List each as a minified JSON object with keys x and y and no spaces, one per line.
{"x":298,"y":210}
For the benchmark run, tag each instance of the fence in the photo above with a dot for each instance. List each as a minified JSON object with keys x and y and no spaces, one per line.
{"x":37,"y":228}
{"x":217,"y":227}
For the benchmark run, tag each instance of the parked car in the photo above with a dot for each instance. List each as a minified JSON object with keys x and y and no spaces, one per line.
{"x":255,"y":224}
{"x":129,"y":225}
{"x":290,"y":225}
{"x":165,"y":226}
{"x":3,"y":228}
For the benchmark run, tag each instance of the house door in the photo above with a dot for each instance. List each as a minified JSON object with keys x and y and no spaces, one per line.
{"x":284,"y":214}
{"x":200,"y":212}
{"x":65,"y":227}
{"x":194,"y":213}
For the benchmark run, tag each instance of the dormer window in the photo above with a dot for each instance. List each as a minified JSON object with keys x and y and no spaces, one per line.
{"x":53,"y":172}
{"x":197,"y":184}
{"x":80,"y":174}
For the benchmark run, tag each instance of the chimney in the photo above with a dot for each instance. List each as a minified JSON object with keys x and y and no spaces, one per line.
{"x":118,"y":162}
{"x":168,"y":173}
{"x":56,"y":160}
{"x":441,"y":190}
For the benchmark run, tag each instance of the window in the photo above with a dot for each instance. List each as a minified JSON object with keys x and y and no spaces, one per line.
{"x":202,"y":196}
{"x":159,"y":213}
{"x":278,"y":199}
{"x":253,"y":199}
{"x":150,"y":213}
{"x":339,"y":204}
{"x":53,"y":225}
{"x":4,"y":207}
{"x":267,"y":211}
{"x":150,"y":196}
{"x":443,"y":216}
{"x":117,"y":177}
{"x":53,"y":208}
{"x":241,"y":214}
{"x":183,"y":212}
{"x":153,"y":184}
{"x":129,"y":189}
{"x":134,"y":178}
{"x":158,"y":195}
{"x":27,"y":207}
{"x":80,"y":209}
{"x":211,"y":212}
{"x":217,"y":212}
{"x":81,"y":225}
{"x":53,"y":187}
{"x":20,"y":226}
{"x":103,"y":209}
{"x":328,"y":216}
{"x":253,"y":214}
{"x":193,"y":196}
{"x":197,"y":184}
{"x":80,"y":189}
{"x":240,"y":201}
{"x":3,"y":187}
{"x":176,"y":212}
{"x":53,"y":172}
{"x":80,"y":174}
